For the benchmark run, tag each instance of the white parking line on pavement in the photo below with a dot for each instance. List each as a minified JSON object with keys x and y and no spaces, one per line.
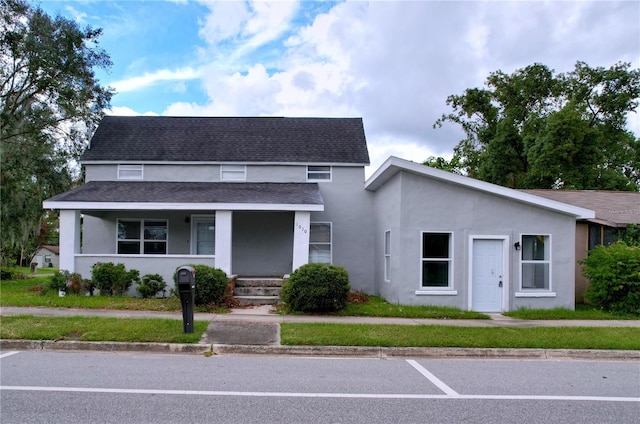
{"x":316,"y":395}
{"x":4,"y":355}
{"x":432,"y":378}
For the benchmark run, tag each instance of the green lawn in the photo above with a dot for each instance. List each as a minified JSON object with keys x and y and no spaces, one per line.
{"x":325,"y":334}
{"x":585,"y":312}
{"x":379,"y":307}
{"x":27,"y":327}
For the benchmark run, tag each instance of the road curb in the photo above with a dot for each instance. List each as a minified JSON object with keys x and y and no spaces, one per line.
{"x":326,"y":351}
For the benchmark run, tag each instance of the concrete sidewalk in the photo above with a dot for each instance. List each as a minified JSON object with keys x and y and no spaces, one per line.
{"x":257,"y":331}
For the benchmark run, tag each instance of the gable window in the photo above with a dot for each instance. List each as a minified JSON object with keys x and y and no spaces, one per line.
{"x":436,"y":260}
{"x":318,"y":173}
{"x":535,"y":260}
{"x":320,"y":242}
{"x":130,"y":172}
{"x":387,"y":255}
{"x":233,"y":173}
{"x":148,"y":237}
{"x":203,"y":235}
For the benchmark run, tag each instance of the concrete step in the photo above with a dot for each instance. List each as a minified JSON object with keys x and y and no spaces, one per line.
{"x":256,"y":291}
{"x":259,"y":282}
{"x":258,"y":300}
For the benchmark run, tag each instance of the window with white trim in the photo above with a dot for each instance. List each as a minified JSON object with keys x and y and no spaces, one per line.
{"x":436,"y":260}
{"x":387,"y":255}
{"x":233,"y":173}
{"x":318,"y":173}
{"x":130,"y":172}
{"x":140,"y":236}
{"x":320,"y":242}
{"x":535,"y":262}
{"x":203,"y":235}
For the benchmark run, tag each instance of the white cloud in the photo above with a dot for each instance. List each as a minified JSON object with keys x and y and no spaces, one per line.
{"x":162,"y":75}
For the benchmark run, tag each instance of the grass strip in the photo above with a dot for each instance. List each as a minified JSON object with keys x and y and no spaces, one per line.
{"x":379,"y":307}
{"x":383,"y":335}
{"x":29,"y":327}
{"x":582,"y":312}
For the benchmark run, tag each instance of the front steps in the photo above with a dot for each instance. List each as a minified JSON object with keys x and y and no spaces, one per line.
{"x":258,"y":290}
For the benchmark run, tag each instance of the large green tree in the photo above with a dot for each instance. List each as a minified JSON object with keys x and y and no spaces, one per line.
{"x":50,"y":102}
{"x":538,"y":129}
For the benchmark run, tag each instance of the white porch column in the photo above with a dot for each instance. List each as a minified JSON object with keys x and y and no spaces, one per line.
{"x":301,"y":229}
{"x":223,"y":240}
{"x":69,"y":239}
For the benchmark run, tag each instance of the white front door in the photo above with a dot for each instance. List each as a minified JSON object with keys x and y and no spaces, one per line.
{"x":487,"y":277}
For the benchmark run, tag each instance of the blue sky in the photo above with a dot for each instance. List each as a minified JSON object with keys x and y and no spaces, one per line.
{"x":393,"y":63}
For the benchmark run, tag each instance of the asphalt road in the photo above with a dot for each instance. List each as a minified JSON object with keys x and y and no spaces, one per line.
{"x":90,"y":387}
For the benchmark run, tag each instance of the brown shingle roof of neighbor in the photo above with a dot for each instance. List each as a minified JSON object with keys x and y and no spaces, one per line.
{"x":614,"y":208}
{"x":229,"y":139}
{"x":193,"y":192}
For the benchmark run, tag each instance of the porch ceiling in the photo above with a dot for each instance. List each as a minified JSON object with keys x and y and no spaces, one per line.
{"x":147,"y":195}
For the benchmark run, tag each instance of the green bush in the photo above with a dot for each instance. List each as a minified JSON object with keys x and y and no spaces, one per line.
{"x":316,"y":288}
{"x":150,"y":285}
{"x":210,"y":285}
{"x":614,"y":278}
{"x":58,"y":281}
{"x":113,"y":279}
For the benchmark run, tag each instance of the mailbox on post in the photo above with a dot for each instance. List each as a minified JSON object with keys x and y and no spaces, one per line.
{"x":186,"y":281}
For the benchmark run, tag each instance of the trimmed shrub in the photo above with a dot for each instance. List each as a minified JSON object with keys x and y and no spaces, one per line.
{"x":58,"y":281}
{"x":614,"y":278}
{"x":113,"y":279}
{"x":210,"y":285}
{"x":316,"y":288}
{"x":150,"y":285}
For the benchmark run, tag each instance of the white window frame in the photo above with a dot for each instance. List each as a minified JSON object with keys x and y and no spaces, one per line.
{"x":330,"y":243}
{"x":233,"y":172}
{"x":449,"y":259}
{"x":533,"y":291}
{"x":201,"y":219}
{"x":130,"y":171}
{"x":387,"y":256}
{"x":141,"y":238}
{"x":313,"y":174}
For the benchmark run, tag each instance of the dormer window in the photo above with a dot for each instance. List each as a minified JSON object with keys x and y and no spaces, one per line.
{"x":233,"y":173}
{"x":318,"y":173}
{"x":130,"y":172}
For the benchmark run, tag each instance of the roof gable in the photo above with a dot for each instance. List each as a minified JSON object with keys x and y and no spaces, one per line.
{"x":228,"y":139}
{"x":394,"y":165}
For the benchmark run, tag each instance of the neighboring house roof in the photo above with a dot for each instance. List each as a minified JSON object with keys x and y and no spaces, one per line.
{"x":147,"y":195}
{"x":52,"y":249}
{"x":613,"y":208}
{"x":394,"y":165}
{"x":229,"y":139}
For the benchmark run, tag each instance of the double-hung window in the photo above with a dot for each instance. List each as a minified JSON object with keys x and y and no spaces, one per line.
{"x":535,"y":262}
{"x":387,"y":256}
{"x":130,"y":172}
{"x":318,"y":173}
{"x":320,"y":242}
{"x":436,"y":260}
{"x":233,"y":173}
{"x":136,"y":236}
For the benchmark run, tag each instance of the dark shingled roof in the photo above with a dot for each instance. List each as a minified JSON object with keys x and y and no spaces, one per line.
{"x":614,"y":208}
{"x":190,"y":192}
{"x":233,"y":139}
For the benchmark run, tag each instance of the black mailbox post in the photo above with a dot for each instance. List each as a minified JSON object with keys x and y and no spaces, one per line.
{"x":186,"y":280}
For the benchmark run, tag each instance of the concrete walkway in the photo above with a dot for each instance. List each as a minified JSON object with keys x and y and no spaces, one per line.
{"x":257,"y":331}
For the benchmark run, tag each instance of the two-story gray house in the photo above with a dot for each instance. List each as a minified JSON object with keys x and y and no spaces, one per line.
{"x":263,"y":196}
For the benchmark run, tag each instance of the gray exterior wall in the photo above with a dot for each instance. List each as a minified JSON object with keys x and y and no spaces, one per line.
{"x":410,"y":204}
{"x":349,"y":209}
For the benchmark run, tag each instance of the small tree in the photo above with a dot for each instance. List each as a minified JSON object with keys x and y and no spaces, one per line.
{"x":113,"y":279}
{"x":150,"y":285}
{"x":316,"y":288}
{"x":614,"y":278}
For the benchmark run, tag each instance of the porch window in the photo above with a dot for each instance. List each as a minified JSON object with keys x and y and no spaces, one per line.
{"x":233,"y":173}
{"x":320,"y":242}
{"x":318,"y":173}
{"x":142,"y":236}
{"x":130,"y":172}
{"x":436,"y":260}
{"x":535,"y":260}
{"x":203,"y":235}
{"x":387,"y":255}
{"x":601,"y":235}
